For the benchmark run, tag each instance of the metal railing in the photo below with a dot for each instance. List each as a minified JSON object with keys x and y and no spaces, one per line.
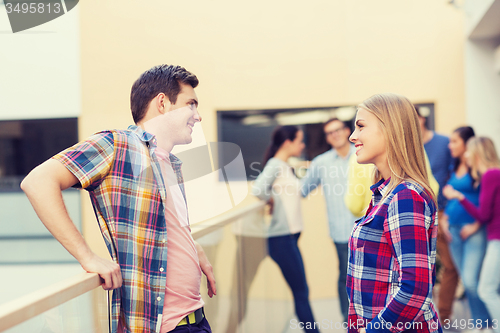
{"x":31,"y":305}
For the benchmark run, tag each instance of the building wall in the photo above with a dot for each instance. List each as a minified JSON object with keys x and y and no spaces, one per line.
{"x":274,"y":55}
{"x":39,"y":78}
{"x":482,"y":79}
{"x":483,"y":88}
{"x":40,"y":69}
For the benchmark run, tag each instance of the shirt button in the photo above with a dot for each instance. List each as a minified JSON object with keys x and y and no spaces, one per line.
{"x":163,"y":240}
{"x":161,"y":269}
{"x":158,"y":299}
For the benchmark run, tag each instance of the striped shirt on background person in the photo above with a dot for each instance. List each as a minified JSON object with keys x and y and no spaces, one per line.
{"x":391,"y":272}
{"x":122,"y":174}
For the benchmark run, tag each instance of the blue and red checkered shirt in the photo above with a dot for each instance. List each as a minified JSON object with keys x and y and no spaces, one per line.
{"x":122,"y":174}
{"x":392,"y":252}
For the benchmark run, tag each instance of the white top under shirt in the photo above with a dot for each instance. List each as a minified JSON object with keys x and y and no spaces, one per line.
{"x":278,"y":181}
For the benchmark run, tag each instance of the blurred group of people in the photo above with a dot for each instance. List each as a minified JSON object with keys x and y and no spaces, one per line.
{"x":467,"y":169}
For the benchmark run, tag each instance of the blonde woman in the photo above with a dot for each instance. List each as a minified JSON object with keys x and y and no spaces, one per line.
{"x":392,"y":249}
{"x":485,"y":168}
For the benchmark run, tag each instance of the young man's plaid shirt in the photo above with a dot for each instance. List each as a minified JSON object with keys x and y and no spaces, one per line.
{"x":123,"y":176}
{"x":392,"y":253}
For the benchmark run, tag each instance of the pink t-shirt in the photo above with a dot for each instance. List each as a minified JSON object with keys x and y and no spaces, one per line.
{"x":182,"y":293}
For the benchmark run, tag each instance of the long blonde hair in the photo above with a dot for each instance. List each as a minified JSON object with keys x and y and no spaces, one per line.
{"x":482,"y":148}
{"x":405,"y":150}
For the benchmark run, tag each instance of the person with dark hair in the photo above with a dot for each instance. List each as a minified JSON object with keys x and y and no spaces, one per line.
{"x":159,"y":79}
{"x":137,"y":192}
{"x":330,"y":170}
{"x":278,"y":181}
{"x":466,"y":250}
{"x":436,"y":147}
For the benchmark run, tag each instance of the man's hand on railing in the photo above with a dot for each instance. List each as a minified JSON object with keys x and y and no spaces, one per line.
{"x":108,"y":271}
{"x":207,"y":269}
{"x":44,"y":186}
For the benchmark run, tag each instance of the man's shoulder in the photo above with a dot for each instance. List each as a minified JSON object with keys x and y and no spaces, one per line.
{"x":324,"y":157}
{"x":438,"y":146}
{"x":106,"y":143}
{"x":107,"y":133}
{"x":116,"y":135}
{"x":440,"y":138}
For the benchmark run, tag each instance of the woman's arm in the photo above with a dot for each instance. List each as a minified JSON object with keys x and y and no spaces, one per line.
{"x":262,"y":187}
{"x":490,"y":183}
{"x":410,"y":230}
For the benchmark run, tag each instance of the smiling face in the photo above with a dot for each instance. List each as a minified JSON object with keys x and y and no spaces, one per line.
{"x":469,"y":158}
{"x":369,"y":139}
{"x":172,"y":124}
{"x":181,"y":116}
{"x":296,"y":146}
{"x":337,"y":134}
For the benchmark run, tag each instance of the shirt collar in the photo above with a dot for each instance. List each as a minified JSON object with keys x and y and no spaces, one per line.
{"x":143,"y":135}
{"x":174,"y":160}
{"x":150,"y":140}
{"x":381,"y":187}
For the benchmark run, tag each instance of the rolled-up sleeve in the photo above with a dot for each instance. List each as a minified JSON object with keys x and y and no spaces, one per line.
{"x":90,"y":160}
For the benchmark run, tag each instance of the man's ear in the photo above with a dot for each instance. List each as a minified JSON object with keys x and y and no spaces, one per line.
{"x":162,"y":103}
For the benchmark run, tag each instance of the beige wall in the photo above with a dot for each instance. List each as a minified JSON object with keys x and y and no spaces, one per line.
{"x":264,"y":54}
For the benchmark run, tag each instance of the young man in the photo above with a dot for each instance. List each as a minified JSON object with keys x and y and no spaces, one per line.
{"x":330,"y":169}
{"x":137,"y":192}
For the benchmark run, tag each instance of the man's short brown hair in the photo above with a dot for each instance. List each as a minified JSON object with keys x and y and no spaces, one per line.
{"x":159,"y":79}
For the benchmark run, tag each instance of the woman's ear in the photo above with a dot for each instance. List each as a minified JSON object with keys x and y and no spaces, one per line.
{"x":286,"y":143}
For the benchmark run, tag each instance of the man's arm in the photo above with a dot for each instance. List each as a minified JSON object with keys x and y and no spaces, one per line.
{"x":44,"y":186}
{"x":207,"y":269}
{"x":311,"y":180}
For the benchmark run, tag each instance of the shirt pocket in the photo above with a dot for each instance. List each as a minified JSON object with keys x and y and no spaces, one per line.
{"x":369,"y":232}
{"x":359,"y":234}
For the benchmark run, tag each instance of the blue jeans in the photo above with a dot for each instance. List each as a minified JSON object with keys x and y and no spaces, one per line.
{"x":468,"y":257}
{"x":489,"y":281}
{"x":343,"y":254}
{"x":285,"y":252}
